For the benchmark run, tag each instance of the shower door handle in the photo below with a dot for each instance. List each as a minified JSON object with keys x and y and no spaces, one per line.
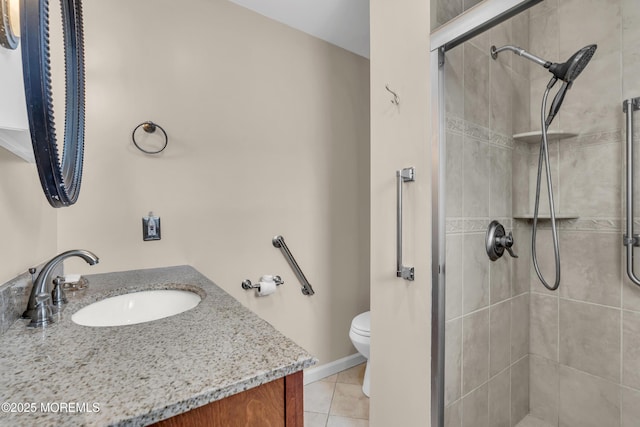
{"x":402,"y":176}
{"x":630,"y":239}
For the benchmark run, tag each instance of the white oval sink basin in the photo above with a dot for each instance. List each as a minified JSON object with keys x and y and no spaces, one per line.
{"x":136,"y":307}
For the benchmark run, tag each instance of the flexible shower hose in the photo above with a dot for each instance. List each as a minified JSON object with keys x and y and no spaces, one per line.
{"x":544,"y":156}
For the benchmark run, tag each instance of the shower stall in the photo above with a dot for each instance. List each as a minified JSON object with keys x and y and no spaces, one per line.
{"x":507,"y":350}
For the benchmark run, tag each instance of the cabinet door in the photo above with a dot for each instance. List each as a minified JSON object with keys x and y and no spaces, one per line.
{"x":275,"y":404}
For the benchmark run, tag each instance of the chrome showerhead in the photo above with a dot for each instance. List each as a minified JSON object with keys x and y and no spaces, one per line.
{"x":567,"y":71}
{"x":571,"y":69}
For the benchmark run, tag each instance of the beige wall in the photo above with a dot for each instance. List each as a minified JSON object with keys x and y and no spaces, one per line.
{"x":269,"y":134}
{"x":27,"y":222}
{"x":400,"y":343}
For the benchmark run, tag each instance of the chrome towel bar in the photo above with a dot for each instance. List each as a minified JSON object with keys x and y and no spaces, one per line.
{"x":630,"y":239}
{"x":278,"y":242}
{"x":402,"y":176}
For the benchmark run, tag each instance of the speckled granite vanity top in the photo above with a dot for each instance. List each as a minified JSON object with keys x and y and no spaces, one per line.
{"x":138,"y":374}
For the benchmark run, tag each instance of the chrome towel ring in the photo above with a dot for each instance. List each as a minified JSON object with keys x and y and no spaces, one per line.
{"x":149,"y":127}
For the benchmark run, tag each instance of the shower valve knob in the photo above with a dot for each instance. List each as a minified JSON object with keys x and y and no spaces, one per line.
{"x":497,"y":241}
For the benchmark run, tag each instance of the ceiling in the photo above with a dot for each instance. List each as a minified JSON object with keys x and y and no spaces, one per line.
{"x":344,"y":23}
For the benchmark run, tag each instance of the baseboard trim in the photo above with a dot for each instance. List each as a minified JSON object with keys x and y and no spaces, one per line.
{"x":331,"y":368}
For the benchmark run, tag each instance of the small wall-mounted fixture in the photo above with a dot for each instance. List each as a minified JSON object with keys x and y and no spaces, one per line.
{"x":9,"y":23}
{"x":150,"y":127}
{"x":150,"y":227}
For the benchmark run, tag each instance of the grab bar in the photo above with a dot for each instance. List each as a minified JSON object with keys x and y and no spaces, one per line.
{"x":402,"y":176}
{"x":278,"y":242}
{"x":630,"y":239}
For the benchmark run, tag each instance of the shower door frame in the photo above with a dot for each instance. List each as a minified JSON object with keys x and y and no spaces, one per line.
{"x":455,"y":32}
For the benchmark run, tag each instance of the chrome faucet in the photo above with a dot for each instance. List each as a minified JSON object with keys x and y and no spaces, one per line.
{"x":40,"y":285}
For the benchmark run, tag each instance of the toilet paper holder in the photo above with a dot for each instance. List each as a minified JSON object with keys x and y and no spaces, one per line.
{"x":246,"y":284}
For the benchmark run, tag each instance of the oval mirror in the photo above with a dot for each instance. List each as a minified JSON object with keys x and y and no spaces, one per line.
{"x":60,"y":173}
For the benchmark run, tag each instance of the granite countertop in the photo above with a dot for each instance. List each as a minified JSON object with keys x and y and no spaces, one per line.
{"x":135,"y":375}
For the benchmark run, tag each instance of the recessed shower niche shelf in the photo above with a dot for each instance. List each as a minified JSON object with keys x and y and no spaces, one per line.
{"x":546,"y":216}
{"x":535,"y":136}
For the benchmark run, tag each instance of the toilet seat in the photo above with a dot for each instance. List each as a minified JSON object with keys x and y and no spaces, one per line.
{"x":361,"y":324}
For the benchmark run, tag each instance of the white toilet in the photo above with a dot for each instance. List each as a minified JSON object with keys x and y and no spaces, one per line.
{"x":360,"y":334}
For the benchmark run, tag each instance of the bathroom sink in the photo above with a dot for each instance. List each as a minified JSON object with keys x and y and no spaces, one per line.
{"x":136,"y":307}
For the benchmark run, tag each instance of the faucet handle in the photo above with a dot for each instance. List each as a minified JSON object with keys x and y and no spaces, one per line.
{"x":58,"y":296}
{"x":44,"y":314}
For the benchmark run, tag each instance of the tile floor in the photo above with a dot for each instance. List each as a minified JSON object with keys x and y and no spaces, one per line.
{"x":337,"y":401}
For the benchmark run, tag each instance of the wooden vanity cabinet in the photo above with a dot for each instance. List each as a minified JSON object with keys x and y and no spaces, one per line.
{"x":278,"y":403}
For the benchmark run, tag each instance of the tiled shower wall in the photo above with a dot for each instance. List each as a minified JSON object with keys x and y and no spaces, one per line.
{"x":443,"y":11}
{"x":487,"y":312}
{"x":585,"y":337}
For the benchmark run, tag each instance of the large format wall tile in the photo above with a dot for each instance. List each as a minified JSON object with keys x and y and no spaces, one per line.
{"x":475,"y":276}
{"x":590,"y":179}
{"x":500,"y":400}
{"x":476,"y":85}
{"x":630,"y":407}
{"x":521,"y":104}
{"x":630,"y":72}
{"x":475,"y":350}
{"x":521,"y":266}
{"x":453,"y":361}
{"x":543,"y":39}
{"x":453,"y":291}
{"x":590,"y":338}
{"x":631,"y":349}
{"x":591,"y":105}
{"x":630,"y":291}
{"x":501,"y":181}
{"x":587,"y":401}
{"x":544,"y":326}
{"x":554,"y":160}
{"x":543,"y":7}
{"x":500,"y":352}
{"x":454,"y":175}
{"x":520,"y":37}
{"x":584,"y":22}
{"x":592,"y":268}
{"x":630,"y":28}
{"x":453,"y":415}
{"x":475,"y":408}
{"x":501,"y":87}
{"x":520,"y":178}
{"x":477,"y":178}
{"x":447,"y":10}
{"x":519,"y":326}
{"x":454,"y":75}
{"x":501,"y":278}
{"x":543,"y":389}
{"x":519,"y":390}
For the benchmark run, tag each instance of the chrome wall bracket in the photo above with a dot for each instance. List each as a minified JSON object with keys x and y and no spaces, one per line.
{"x":402,"y":176}
{"x":634,"y":103}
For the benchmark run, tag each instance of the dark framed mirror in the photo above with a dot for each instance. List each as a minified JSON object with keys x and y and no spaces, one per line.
{"x":59,"y":163}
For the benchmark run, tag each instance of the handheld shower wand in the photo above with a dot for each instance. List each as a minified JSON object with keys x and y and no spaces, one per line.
{"x":567,"y":72}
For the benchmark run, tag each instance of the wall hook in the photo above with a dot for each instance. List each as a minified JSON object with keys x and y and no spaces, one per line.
{"x":396,"y":98}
